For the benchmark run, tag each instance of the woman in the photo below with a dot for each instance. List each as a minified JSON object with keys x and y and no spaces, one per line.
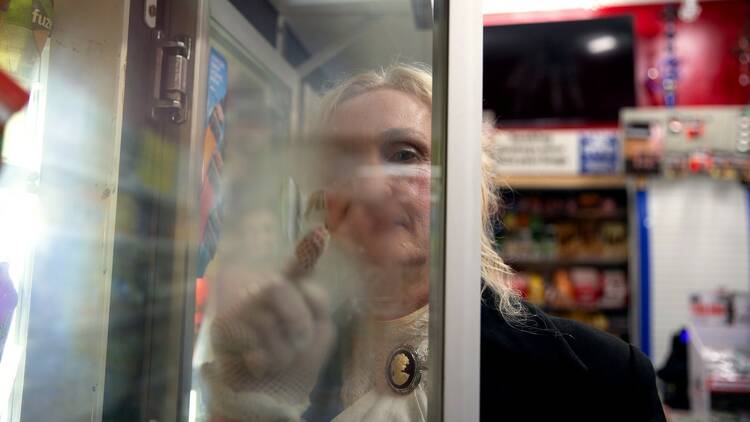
{"x":275,"y":346}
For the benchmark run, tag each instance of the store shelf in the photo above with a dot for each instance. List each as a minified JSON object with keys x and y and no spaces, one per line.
{"x":556,"y":226}
{"x":583,"y":215}
{"x":561,"y":182}
{"x":566,"y":262}
{"x":585,"y":308}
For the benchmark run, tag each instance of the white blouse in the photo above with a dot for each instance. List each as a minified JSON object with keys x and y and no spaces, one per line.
{"x":365,"y":393}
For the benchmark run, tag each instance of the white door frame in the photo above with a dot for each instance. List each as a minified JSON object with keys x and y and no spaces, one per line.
{"x":455,"y":314}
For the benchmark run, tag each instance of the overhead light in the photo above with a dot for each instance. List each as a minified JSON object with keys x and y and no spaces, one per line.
{"x":601,"y":44}
{"x":689,"y":11}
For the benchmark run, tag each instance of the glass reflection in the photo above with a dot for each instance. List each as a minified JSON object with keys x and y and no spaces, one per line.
{"x":295,"y":343}
{"x":314,"y":303}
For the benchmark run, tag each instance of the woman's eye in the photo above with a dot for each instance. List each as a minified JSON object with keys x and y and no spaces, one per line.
{"x":405,"y":155}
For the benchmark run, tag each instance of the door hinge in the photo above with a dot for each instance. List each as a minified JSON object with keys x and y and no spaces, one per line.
{"x":171,"y":77}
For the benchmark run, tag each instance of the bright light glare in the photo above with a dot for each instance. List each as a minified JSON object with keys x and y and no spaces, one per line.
{"x":21,"y":226}
{"x":23,"y":133}
{"x":8,"y":370}
{"x":601,"y":44}
{"x":20,"y":229}
{"x":192,"y":406}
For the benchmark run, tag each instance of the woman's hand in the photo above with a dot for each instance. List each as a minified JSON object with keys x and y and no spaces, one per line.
{"x":281,"y":333}
{"x":285,"y":325}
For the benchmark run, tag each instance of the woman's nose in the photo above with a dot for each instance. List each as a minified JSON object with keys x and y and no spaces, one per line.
{"x":367,"y":187}
{"x":372,"y":184}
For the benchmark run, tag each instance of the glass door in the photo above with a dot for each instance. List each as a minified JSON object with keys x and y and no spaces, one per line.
{"x":248,"y":197}
{"x":314,"y":270}
{"x":240,"y":210}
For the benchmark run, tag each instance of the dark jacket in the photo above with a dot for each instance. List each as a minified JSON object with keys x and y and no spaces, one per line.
{"x":539,"y":369}
{"x":553,"y":369}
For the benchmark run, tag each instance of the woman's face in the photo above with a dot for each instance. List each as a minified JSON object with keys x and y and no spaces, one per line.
{"x":379,"y":199}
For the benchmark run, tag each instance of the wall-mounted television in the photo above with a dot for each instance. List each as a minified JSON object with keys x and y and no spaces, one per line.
{"x":559,"y":73}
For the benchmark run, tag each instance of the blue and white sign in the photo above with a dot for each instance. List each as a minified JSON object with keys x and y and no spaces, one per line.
{"x":218,"y":79}
{"x":600,"y":152}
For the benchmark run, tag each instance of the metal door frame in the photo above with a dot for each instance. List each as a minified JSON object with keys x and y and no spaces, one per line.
{"x":455,"y":292}
{"x":164,"y":331}
{"x":455,"y":303}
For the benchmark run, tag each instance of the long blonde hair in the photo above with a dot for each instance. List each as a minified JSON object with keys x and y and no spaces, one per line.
{"x":416,"y":80}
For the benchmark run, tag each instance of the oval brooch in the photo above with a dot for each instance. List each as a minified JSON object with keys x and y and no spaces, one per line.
{"x":403,"y":369}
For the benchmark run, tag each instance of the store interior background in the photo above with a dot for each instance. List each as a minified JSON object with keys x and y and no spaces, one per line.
{"x":636,"y":222}
{"x":582,"y":219}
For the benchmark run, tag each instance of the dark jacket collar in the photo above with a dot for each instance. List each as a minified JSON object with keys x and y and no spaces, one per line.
{"x":534,"y":335}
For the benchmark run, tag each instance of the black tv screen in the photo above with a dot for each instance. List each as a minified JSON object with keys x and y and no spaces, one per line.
{"x":569,"y":72}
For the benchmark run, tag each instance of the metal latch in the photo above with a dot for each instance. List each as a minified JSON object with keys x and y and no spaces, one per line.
{"x":171,"y":77}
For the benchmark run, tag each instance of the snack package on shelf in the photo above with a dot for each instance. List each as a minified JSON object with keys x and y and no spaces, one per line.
{"x":569,"y":244}
{"x":586,"y":286}
{"x":562,"y":293}
{"x":589,"y":202}
{"x":536,"y":288}
{"x":609,"y":207}
{"x":590,"y":246}
{"x":518,"y":245}
{"x":520,"y":283}
{"x":548,"y":243}
{"x":554,"y":206}
{"x":530,"y":286}
{"x":614,"y":290}
{"x":614,"y":238}
{"x":536,"y":228}
{"x":571,"y":206}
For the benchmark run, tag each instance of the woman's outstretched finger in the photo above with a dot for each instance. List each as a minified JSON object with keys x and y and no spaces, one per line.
{"x":294,"y":313}
{"x":317,"y":300}
{"x":271,"y":341}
